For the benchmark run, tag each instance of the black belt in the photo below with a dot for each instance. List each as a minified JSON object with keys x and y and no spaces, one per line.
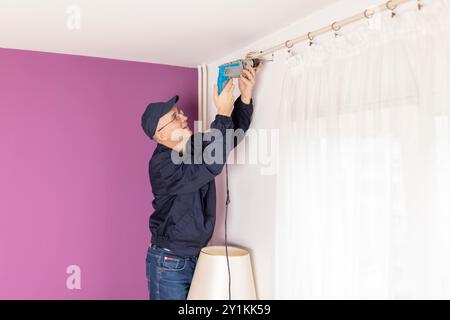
{"x":156,"y":247}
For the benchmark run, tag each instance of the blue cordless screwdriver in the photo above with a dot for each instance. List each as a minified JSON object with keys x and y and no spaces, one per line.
{"x":234,"y":70}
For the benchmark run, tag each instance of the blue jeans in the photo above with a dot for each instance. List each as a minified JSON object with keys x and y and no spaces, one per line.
{"x":169,"y":276}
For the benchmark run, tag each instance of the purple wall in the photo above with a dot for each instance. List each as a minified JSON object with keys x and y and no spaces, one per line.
{"x":74,"y":186}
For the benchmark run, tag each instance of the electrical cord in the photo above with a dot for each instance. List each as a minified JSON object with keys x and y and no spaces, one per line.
{"x":226,"y":236}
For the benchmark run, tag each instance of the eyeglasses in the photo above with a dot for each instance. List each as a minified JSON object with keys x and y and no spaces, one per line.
{"x":175,"y":116}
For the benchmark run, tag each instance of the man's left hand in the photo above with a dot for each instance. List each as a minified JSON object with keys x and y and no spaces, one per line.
{"x":246,"y":83}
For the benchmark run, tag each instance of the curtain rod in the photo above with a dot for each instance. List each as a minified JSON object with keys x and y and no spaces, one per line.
{"x":335,"y":26}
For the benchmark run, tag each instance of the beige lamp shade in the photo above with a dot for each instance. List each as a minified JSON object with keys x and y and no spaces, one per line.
{"x":210,"y":280}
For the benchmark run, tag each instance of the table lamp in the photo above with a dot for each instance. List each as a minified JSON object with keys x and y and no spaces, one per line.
{"x":210,"y":280}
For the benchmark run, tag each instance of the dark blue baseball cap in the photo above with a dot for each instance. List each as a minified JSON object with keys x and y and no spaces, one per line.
{"x":153,"y":112}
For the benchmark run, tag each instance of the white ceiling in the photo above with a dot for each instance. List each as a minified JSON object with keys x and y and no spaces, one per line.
{"x":175,"y":32}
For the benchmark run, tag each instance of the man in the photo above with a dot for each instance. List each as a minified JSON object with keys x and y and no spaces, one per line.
{"x":184,"y":191}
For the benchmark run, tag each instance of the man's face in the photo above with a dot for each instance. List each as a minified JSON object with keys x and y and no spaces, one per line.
{"x":173,"y":126}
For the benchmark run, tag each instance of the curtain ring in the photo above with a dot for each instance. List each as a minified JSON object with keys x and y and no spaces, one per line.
{"x":311,"y":38}
{"x":367,"y":15}
{"x":419,"y":5}
{"x":388,"y":5}
{"x":286,"y":44}
{"x":335,"y":26}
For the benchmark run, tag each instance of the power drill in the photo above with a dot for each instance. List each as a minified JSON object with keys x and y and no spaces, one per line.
{"x":234,"y":70}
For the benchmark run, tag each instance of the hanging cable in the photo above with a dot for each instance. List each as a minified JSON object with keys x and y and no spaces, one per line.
{"x":226,"y":236}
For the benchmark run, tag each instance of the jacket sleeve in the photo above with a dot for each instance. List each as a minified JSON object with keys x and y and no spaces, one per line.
{"x":191,"y":175}
{"x":242,"y":116}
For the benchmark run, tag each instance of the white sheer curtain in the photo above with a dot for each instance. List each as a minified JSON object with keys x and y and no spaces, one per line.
{"x":363,"y":204}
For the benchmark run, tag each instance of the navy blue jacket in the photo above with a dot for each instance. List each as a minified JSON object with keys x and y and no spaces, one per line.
{"x":185,"y":192}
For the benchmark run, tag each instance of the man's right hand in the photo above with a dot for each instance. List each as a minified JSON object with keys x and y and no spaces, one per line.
{"x":225,"y":101}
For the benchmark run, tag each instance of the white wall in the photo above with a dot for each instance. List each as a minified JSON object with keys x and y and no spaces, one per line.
{"x":253,"y":195}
